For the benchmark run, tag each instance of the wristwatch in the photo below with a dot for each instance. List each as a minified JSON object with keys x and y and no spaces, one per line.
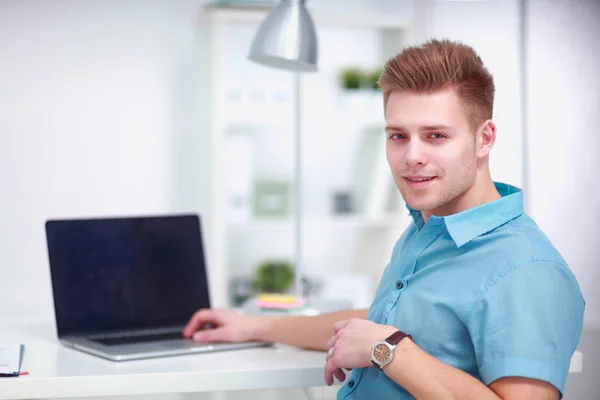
{"x":382,"y":353}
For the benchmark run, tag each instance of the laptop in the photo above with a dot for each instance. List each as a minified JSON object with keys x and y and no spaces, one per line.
{"x":124,"y":288}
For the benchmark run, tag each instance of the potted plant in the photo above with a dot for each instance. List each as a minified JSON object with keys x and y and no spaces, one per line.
{"x":372,"y":78}
{"x":352,"y":78}
{"x":274,"y":277}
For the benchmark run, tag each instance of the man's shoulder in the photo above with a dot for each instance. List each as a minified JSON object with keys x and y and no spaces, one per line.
{"x":522,"y":240}
{"x":523,"y":252}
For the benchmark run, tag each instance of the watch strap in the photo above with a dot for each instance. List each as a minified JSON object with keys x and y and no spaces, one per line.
{"x":396,"y":337}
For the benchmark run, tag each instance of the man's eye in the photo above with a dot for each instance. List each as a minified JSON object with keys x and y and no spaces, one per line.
{"x":437,"y":136}
{"x":397,"y":136}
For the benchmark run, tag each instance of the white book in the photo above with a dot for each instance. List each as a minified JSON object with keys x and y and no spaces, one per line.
{"x":10,"y":358}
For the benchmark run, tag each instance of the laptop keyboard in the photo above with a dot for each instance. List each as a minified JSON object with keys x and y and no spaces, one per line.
{"x":153,"y":337}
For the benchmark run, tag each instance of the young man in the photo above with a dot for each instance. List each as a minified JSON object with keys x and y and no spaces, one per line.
{"x":491,"y":308}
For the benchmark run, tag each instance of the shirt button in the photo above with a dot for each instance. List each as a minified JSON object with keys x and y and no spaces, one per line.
{"x":350,"y":384}
{"x":399,"y":285}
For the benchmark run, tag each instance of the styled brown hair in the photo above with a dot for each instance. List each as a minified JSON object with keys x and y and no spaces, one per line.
{"x":441,"y":64}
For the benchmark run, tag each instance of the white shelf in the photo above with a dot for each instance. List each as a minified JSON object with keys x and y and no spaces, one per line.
{"x":388,"y":221}
{"x":261,"y":98}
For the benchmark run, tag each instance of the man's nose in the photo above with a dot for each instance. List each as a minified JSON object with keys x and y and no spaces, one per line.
{"x":415,"y":154}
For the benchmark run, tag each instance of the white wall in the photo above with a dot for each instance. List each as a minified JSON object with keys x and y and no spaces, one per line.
{"x":100,"y":114}
{"x":563,"y":135}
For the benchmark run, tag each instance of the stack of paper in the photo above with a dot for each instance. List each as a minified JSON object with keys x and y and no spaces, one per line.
{"x":274,"y":301}
{"x":10,"y":359}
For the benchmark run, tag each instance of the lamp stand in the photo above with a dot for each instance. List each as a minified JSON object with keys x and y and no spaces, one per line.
{"x":297,"y":190}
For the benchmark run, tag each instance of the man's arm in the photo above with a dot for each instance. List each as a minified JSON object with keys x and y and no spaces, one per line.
{"x":230,"y":326}
{"x":425,"y":377}
{"x":421,"y":374}
{"x":307,"y":332}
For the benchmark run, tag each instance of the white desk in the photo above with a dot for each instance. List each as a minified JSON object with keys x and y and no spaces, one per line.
{"x":56,"y":371}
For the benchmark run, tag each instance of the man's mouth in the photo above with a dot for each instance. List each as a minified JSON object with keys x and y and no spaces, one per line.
{"x":419,"y":182}
{"x":423,"y":179}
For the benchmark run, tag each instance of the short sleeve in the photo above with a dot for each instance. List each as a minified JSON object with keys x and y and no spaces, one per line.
{"x":528,"y":324}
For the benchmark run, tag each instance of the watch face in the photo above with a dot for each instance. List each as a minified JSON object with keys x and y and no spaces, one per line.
{"x":381,"y":352}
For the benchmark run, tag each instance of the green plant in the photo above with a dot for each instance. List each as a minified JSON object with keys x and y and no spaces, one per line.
{"x":352,"y":78}
{"x":372,"y":78}
{"x":274,"y":277}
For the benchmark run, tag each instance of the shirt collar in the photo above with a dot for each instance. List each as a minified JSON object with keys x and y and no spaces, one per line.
{"x":474,"y":222}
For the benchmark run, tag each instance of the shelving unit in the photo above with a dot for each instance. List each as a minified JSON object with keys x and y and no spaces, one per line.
{"x":387,"y":221}
{"x":257,"y":100}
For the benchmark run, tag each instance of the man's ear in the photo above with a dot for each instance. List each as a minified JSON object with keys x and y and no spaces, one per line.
{"x":486,"y":137}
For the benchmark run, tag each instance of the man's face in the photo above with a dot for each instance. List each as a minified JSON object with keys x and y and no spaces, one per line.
{"x":431,"y":149}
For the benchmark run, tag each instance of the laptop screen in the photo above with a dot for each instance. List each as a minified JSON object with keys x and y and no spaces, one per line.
{"x":126,"y":273}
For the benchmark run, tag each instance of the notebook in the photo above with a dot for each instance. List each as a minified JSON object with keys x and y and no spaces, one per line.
{"x":10,"y":359}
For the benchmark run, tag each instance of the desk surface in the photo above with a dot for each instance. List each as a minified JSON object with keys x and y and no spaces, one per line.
{"x":57,"y":371}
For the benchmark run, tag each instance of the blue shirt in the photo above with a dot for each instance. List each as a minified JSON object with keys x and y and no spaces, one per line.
{"x":482,"y":290}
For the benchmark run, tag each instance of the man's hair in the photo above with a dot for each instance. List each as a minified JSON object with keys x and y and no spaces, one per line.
{"x":441,"y":64}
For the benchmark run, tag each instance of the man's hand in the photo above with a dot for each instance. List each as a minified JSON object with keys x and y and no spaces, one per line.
{"x":351,"y":346}
{"x":227,"y":326}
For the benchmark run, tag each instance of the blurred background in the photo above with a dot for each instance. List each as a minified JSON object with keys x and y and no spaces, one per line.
{"x":133,"y":107}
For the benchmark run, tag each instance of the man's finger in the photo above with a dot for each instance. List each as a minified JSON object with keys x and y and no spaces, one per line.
{"x":329,"y":368}
{"x":212,"y":335}
{"x":339,"y":374}
{"x":331,"y":342}
{"x":339,"y":325}
{"x":199,"y":319}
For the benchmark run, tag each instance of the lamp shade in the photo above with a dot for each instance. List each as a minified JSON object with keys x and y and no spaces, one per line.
{"x":286,"y":39}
